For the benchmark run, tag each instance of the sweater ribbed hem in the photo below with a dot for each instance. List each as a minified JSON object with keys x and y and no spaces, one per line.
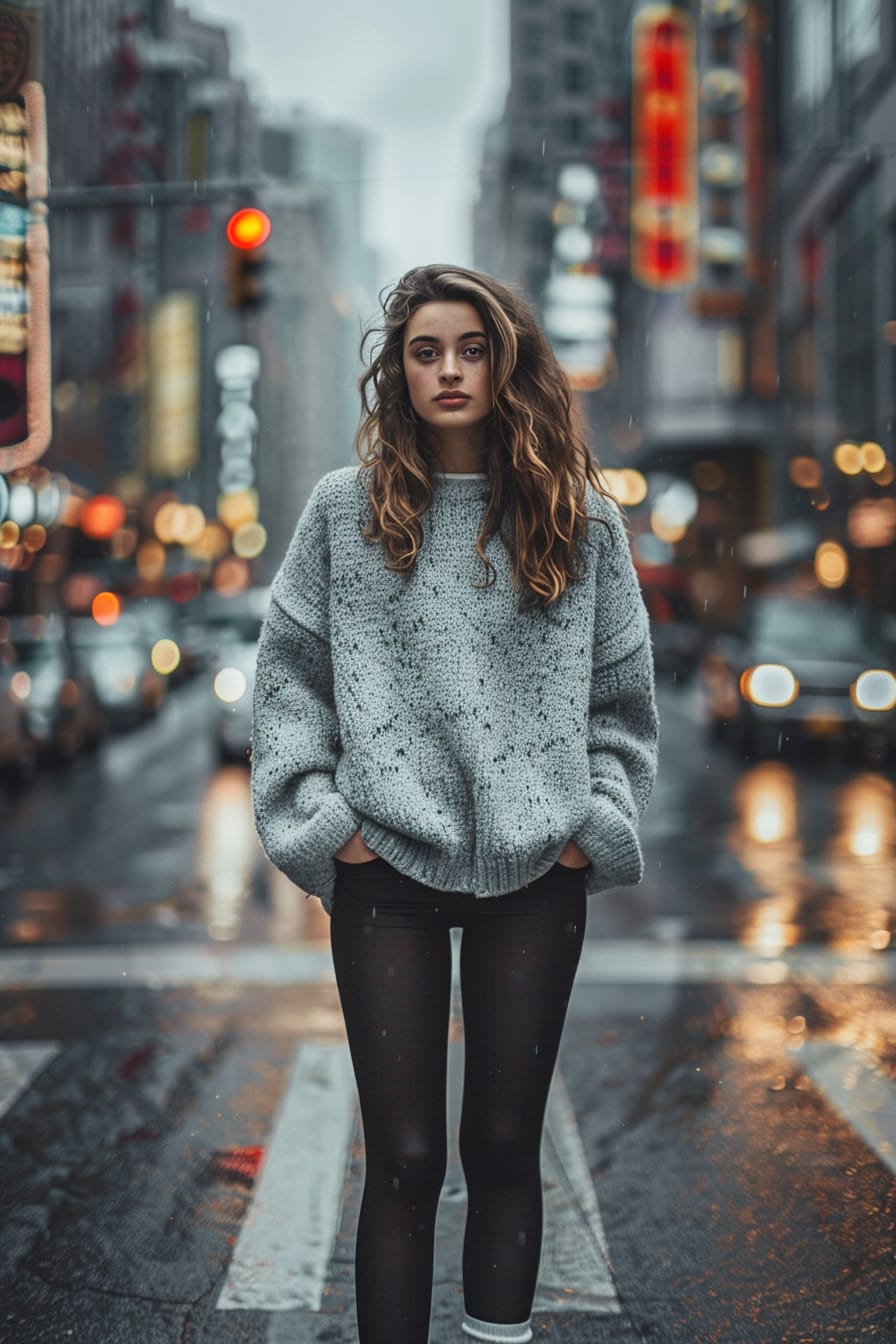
{"x":481,"y":877}
{"x":506,"y":1334}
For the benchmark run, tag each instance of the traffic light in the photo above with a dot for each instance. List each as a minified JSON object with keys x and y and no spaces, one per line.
{"x":247,"y":232}
{"x":24,"y":247}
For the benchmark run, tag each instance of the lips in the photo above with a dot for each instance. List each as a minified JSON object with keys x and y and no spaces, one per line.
{"x":452,"y":396}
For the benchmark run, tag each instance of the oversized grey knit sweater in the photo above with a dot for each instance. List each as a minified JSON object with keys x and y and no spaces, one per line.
{"x":467,"y":740}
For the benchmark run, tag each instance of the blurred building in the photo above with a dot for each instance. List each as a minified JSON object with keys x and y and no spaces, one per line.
{"x":838,"y":298}
{"x":153,"y":143}
{"x":671,"y":107}
{"x":328,"y":159}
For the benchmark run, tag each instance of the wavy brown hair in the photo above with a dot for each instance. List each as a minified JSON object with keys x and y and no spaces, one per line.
{"x":537,"y":459}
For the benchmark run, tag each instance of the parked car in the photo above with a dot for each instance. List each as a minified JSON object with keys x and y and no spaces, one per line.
{"x":18,"y":753}
{"x":234,"y":625}
{"x":160,"y":620}
{"x":233,"y":684}
{"x":800,"y":669}
{"x":60,"y":706}
{"x":117,"y":657}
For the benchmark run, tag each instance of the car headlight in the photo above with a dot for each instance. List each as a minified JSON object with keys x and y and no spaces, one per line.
{"x":874,"y":689}
{"x":769,"y":684}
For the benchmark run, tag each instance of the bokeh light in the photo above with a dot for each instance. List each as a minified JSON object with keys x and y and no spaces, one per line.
{"x":165,"y":656}
{"x":106,"y":608}
{"x":873,"y":457}
{"x":805,"y":472}
{"x":831,"y":564}
{"x":249,"y":540}
{"x":848,"y":458}
{"x":230,"y":685}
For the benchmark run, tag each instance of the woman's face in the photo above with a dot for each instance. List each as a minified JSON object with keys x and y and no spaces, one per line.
{"x":447,"y":366}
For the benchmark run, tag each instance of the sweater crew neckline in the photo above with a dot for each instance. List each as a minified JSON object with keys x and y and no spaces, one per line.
{"x":461,"y":475}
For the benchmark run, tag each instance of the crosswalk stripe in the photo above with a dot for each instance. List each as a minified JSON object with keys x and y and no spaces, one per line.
{"x":574,"y":1274}
{"x":856,"y":1087}
{"x":610,"y":961}
{"x":284,"y":1247}
{"x":20,"y":1062}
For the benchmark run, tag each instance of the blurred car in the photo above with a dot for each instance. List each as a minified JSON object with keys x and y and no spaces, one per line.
{"x":118,"y":659}
{"x":800,"y":669}
{"x":233,"y":684}
{"x":676,"y":637}
{"x":18,"y":753}
{"x":234,"y":624}
{"x":176,"y":644}
{"x":60,"y":706}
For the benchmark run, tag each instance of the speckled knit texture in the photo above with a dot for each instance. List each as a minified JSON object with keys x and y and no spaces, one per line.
{"x":467,"y":740}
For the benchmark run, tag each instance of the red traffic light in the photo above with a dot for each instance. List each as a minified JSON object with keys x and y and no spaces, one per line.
{"x":248,"y":228}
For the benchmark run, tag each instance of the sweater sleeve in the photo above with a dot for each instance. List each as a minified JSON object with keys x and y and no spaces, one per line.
{"x":623,"y":724}
{"x":300,"y":816}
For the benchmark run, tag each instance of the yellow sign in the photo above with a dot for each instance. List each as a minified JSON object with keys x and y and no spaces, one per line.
{"x":173,"y":390}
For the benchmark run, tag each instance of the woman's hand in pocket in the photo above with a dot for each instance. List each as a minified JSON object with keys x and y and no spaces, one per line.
{"x":573,"y":857}
{"x":356,"y":850}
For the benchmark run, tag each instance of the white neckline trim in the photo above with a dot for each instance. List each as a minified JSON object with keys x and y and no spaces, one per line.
{"x":462,"y":475}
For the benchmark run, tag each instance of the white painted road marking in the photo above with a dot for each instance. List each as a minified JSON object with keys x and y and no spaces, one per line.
{"x":283,"y":1252}
{"x":858,"y":1089}
{"x":608,"y":961}
{"x":574,"y":1274}
{"x":20,"y":1063}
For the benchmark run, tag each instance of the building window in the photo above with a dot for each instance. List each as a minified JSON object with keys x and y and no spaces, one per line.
{"x":532,"y":41}
{"x":576,"y":27}
{"x":532,"y":90}
{"x":575,"y":77}
{"x":855,"y":320}
{"x":541,"y":174}
{"x":539,"y":232}
{"x":811,"y":49}
{"x":571,"y":130}
{"x":858,"y":31}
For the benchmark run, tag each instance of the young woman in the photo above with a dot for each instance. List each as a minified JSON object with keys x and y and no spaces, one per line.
{"x":455,"y":726}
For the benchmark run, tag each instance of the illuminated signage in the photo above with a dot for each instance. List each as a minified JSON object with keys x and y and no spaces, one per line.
{"x":664,"y":215}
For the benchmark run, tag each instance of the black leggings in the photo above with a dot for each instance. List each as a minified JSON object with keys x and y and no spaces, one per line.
{"x":392,"y":957}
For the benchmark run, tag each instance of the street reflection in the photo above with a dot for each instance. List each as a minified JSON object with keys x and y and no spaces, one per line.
{"x":765,"y":838}
{"x":227,"y":862}
{"x":844,"y":897}
{"x":862,"y":863}
{"x":225,"y":852}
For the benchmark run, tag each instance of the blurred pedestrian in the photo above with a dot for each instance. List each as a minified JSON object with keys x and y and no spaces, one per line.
{"x":455,"y":726}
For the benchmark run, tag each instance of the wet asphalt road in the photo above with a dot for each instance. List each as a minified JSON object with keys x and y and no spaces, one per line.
{"x":720,"y":1153}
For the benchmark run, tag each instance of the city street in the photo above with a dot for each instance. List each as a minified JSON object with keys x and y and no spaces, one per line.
{"x":180,"y":1154}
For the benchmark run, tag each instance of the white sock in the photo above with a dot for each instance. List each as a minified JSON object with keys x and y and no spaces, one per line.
{"x":497,"y":1334}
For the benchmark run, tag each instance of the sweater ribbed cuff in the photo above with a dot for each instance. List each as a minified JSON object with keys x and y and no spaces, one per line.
{"x":611,"y":842}
{"x":498,"y":1334}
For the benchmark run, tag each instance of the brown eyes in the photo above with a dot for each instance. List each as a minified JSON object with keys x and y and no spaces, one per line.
{"x":427,"y":352}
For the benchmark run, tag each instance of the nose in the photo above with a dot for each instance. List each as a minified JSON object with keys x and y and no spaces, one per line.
{"x":450,"y":370}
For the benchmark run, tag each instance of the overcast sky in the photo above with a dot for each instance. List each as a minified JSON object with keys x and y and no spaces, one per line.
{"x":423,"y":80}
